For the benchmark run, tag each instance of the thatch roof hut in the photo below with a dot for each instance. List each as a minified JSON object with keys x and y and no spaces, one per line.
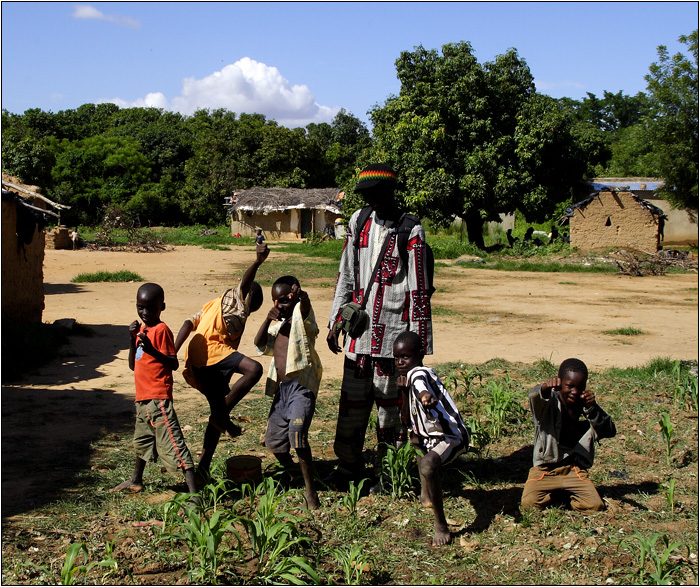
{"x":284,"y":213}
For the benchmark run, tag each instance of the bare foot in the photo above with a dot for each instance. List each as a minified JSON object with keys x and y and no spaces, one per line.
{"x":442,"y":535}
{"x":128,"y":486}
{"x":225,"y":426}
{"x":312,"y":501}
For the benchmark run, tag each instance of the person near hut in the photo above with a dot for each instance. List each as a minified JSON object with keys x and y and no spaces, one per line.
{"x":289,"y":333}
{"x":568,"y":422}
{"x":153,"y":358}
{"x":75,"y":238}
{"x":394,"y":287}
{"x":212,"y":357}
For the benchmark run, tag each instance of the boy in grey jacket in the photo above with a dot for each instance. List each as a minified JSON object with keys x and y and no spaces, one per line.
{"x":564,"y":443}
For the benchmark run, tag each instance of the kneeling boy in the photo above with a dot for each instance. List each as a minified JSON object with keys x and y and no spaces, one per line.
{"x":564,"y":443}
{"x":437,"y":429}
{"x":289,"y":333}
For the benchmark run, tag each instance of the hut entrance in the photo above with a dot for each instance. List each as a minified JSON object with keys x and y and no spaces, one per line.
{"x":306,"y":222}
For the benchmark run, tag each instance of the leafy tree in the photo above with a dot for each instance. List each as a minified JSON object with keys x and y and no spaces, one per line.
{"x":672,"y":83}
{"x":475,"y":141}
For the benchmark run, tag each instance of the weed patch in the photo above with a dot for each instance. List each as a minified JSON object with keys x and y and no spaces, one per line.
{"x":107,"y":276}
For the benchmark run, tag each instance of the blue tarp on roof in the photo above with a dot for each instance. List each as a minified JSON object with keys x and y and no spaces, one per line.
{"x":636,"y":186}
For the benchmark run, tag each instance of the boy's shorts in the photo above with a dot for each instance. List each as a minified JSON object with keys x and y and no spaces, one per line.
{"x":290,"y":417}
{"x":157,"y":434}
{"x":448,"y":448}
{"x":215,"y":380}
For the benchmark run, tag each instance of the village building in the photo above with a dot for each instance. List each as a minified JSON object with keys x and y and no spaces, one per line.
{"x":285,"y":213}
{"x":24,"y":217}
{"x":611,"y":218}
{"x":680,"y":226}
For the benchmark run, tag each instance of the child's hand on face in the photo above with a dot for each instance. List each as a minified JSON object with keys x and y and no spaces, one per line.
{"x":274,"y":313}
{"x":134,"y":329}
{"x":588,"y":399}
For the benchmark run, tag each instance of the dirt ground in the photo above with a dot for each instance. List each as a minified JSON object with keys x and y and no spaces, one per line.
{"x":479,"y":315}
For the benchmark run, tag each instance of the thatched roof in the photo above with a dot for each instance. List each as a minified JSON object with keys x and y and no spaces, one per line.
{"x":277,"y":199}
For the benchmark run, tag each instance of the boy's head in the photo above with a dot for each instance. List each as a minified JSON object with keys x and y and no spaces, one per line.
{"x":574,"y":377}
{"x":150,"y":302}
{"x":376,"y":186}
{"x":256,"y":297}
{"x":280,"y":295}
{"x":408,"y":352}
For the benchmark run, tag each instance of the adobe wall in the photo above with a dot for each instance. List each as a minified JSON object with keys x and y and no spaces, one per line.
{"x":614,"y":219}
{"x":22,"y":278}
{"x":284,"y":225}
{"x":59,"y":238}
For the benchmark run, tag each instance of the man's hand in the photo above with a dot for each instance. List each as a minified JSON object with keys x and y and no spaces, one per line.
{"x":332,"y":340}
{"x":261,"y":252}
{"x":402,"y":382}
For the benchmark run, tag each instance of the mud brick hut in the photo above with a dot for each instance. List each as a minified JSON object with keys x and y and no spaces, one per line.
{"x":284,"y":213}
{"x":611,"y":218}
{"x":24,"y":216}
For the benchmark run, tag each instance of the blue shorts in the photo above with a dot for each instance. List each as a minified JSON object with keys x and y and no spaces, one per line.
{"x":290,"y":417}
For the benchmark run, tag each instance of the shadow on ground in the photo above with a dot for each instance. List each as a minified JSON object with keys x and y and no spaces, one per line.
{"x":48,"y":427}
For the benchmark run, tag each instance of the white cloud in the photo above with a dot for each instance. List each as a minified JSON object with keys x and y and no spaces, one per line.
{"x":87,"y":12}
{"x":245,"y":86}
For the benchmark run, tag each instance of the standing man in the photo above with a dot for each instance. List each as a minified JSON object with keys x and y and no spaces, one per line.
{"x":384,"y":253}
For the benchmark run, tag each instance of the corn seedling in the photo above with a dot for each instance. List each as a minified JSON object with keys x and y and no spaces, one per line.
{"x":352,"y":562}
{"x":397,"y":467}
{"x":502,"y":406}
{"x":461,"y":380}
{"x":670,"y":493}
{"x":71,"y":569}
{"x":666,"y":431}
{"x":274,"y":536}
{"x":666,"y":569}
{"x":479,"y":436}
{"x":352,"y":497}
{"x":203,"y":535}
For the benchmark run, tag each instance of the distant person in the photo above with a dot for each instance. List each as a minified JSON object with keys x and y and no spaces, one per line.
{"x":568,"y":423}
{"x":152,"y":358}
{"x":437,"y":430}
{"x":393,"y":286}
{"x":511,"y":239}
{"x":259,"y":238}
{"x":554,"y":234}
{"x":75,"y":238}
{"x":289,"y":333}
{"x":212,"y":358}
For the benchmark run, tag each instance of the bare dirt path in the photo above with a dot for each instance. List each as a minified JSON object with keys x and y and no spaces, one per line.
{"x":479,"y":315}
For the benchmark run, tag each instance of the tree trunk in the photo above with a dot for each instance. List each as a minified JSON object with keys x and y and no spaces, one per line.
{"x":475,"y":227}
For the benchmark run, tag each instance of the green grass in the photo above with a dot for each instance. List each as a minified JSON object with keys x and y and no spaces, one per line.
{"x":625,"y":331}
{"x":495,"y":543}
{"x":111,"y":276}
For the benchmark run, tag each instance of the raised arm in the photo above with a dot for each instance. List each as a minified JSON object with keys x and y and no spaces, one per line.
{"x":184,"y":332}
{"x":261,"y":253}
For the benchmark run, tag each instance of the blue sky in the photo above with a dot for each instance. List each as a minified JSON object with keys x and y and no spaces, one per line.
{"x":300,"y":62}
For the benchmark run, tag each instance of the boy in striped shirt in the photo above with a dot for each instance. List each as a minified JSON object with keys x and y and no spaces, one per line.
{"x":437,"y":430}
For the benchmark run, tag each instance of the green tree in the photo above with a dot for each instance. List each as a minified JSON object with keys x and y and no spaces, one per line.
{"x":672,"y":84}
{"x":475,"y":141}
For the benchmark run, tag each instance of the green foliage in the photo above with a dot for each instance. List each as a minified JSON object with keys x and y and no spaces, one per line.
{"x":670,"y":492}
{"x":123,"y":276}
{"x":654,"y":567}
{"x":474,"y":140}
{"x":672,"y":83}
{"x":666,"y":432}
{"x":398,"y":465}
{"x":685,"y":391}
{"x":501,"y":406}
{"x":352,"y":561}
{"x":352,"y":497}
{"x":625,"y":331}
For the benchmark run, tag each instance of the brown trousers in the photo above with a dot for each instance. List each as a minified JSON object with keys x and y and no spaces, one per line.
{"x":542,"y":481}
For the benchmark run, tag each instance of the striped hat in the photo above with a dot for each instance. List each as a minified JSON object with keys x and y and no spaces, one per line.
{"x":376,"y":174}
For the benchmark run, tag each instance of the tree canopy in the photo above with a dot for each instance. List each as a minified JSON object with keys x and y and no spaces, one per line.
{"x":475,"y":140}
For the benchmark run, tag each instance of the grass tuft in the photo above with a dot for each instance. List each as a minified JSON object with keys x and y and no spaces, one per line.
{"x":104,"y":276}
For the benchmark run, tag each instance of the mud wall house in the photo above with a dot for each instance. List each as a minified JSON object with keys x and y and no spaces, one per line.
{"x":284,"y":213}
{"x":680,"y":226}
{"x":615,"y":219}
{"x":24,"y":216}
